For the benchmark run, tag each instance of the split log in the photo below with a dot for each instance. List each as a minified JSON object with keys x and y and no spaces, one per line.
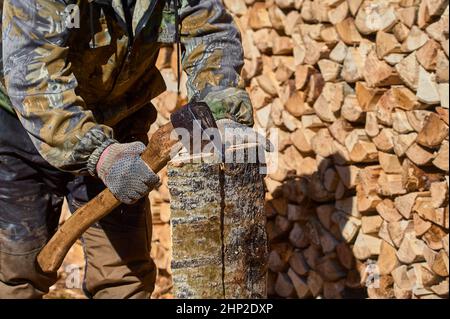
{"x":228,"y":209}
{"x":387,"y":260}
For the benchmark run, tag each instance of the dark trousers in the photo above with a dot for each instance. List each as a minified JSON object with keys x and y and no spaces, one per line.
{"x":118,"y":263}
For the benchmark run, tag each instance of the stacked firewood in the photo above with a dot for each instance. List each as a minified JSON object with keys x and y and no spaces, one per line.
{"x":358,"y":93}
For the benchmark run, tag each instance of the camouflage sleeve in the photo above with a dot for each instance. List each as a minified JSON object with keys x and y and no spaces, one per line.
{"x":213,"y":59}
{"x":42,"y":87}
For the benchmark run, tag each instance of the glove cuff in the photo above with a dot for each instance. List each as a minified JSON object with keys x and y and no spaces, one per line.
{"x":95,"y":156}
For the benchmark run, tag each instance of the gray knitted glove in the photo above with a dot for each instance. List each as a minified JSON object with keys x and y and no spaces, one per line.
{"x":123,"y":171}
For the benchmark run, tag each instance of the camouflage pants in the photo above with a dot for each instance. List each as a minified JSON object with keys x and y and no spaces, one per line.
{"x":118,"y":263}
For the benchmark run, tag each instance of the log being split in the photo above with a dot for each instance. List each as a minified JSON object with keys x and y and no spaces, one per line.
{"x":218,"y":228}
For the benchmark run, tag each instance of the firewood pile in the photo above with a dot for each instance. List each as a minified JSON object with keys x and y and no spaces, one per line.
{"x":358,"y":90}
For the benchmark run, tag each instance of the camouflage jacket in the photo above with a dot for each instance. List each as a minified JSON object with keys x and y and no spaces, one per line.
{"x":70,"y":84}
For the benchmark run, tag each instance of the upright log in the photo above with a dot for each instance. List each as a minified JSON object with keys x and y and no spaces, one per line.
{"x":218,"y":228}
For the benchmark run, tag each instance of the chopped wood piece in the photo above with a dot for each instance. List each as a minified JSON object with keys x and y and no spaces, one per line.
{"x":443,"y":89}
{"x":348,"y":175}
{"x":418,"y":155}
{"x":401,"y":278}
{"x":445,"y":243}
{"x":339,"y":52}
{"x":302,"y":74}
{"x":416,"y":39}
{"x":427,"y":55}
{"x":330,"y":269}
{"x":315,"y":51}
{"x":298,"y":263}
{"x":259,"y":97}
{"x":401,"y":32}
{"x":390,"y":163}
{"x":282,"y":45}
{"x":338,"y":13}
{"x":384,"y":233}
{"x":404,"y":204}
{"x":298,"y":212}
{"x":442,"y":64}
{"x":301,"y":139}
{"x":268,"y":83}
{"x":312,"y":254}
{"x":385,"y":140}
{"x":300,"y":285}
{"x":315,"y":86}
{"x":297,"y":236}
{"x":427,"y":91}
{"x":398,"y":230}
{"x":407,"y":16}
{"x":387,"y":210}
{"x":433,"y":132}
{"x":425,"y":208}
{"x":383,"y":290}
{"x":439,"y":194}
{"x":315,"y":283}
{"x":329,"y":101}
{"x":351,"y":110}
{"x":387,"y":260}
{"x":354,"y":62}
{"x":411,"y":249}
{"x":421,"y":226}
{"x":408,"y":70}
{"x":394,"y":58}
{"x":330,"y":70}
{"x":415,"y":178}
{"x":441,"y":289}
{"x":375,"y":16}
{"x":438,"y":262}
{"x":345,"y":255}
{"x":347,"y":31}
{"x":400,"y":122}
{"x":297,"y":106}
{"x":360,"y":148}
{"x":366,"y":246}
{"x":391,"y":184}
{"x":277,"y":263}
{"x":348,"y":225}
{"x":322,"y":143}
{"x":441,"y":159}
{"x":386,"y":44}
{"x":372,"y":128}
{"x":368,"y":97}
{"x":417,"y":119}
{"x":433,"y":237}
{"x":259,"y":16}
{"x":283,"y":286}
{"x":371,"y":224}
{"x":403,"y":142}
{"x":444,"y":114}
{"x":277,"y":18}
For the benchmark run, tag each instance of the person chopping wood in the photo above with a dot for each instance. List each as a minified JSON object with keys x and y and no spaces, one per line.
{"x":74,"y":116}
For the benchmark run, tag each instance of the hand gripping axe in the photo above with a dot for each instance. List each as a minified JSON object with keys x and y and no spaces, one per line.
{"x":194,"y":120}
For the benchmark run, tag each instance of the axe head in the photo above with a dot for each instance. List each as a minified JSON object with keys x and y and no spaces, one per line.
{"x":197,"y":129}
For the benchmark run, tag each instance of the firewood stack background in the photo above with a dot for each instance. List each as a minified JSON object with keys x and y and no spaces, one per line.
{"x":358,"y":206}
{"x":358,"y":91}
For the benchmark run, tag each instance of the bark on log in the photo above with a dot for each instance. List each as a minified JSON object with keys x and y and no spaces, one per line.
{"x":219,"y":238}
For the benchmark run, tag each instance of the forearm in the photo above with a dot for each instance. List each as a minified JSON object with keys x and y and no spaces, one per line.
{"x":42,"y":87}
{"x":213,"y":60}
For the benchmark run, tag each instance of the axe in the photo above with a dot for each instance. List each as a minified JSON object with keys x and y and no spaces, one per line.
{"x":191,"y":118}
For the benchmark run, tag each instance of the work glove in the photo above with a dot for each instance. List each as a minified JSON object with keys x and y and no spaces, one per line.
{"x":126,"y":175}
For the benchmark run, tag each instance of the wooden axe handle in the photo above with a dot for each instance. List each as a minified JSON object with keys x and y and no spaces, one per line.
{"x":52,"y":255}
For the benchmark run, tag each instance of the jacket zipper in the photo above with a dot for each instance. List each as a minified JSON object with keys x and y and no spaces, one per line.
{"x":131,"y":38}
